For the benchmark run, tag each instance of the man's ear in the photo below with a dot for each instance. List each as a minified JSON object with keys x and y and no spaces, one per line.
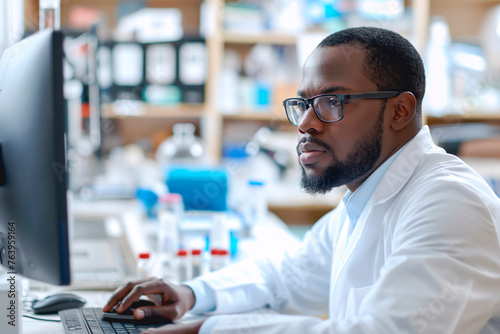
{"x":404,"y":110}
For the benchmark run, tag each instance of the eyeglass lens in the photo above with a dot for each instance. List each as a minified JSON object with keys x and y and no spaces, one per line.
{"x":327,"y":108}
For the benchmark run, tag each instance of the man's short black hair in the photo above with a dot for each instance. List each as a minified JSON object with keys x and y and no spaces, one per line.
{"x":391,"y":62}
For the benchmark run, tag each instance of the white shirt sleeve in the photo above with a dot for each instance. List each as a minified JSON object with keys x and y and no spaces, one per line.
{"x":203,"y":295}
{"x":284,"y":284}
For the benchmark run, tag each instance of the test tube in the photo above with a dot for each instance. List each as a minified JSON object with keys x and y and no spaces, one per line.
{"x":183,"y":265}
{"x":219,"y":259}
{"x":50,"y":14}
{"x":197,"y":262}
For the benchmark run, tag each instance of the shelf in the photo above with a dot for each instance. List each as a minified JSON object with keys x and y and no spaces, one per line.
{"x":465,"y":18}
{"x":247,"y":115}
{"x":463,"y":118}
{"x":259,"y":38}
{"x":465,"y":1}
{"x":142,"y":110}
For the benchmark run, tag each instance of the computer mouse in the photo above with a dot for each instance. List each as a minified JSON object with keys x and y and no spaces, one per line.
{"x":128,"y":315}
{"x":56,"y":302}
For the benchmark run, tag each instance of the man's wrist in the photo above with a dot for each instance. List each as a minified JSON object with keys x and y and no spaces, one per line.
{"x":189,"y":293}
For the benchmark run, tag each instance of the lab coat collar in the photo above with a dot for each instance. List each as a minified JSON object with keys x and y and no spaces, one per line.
{"x":403,"y":167}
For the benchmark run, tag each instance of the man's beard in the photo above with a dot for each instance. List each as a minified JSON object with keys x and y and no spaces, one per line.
{"x":357,"y":164}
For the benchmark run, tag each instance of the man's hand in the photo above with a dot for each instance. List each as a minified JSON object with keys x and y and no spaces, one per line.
{"x":191,"y":328}
{"x":175,"y":299}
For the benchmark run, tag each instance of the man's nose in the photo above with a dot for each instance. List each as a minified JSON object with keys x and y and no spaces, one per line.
{"x":310,"y":122}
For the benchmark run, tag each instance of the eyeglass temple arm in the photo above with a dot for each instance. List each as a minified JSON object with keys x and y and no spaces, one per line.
{"x":374,"y":95}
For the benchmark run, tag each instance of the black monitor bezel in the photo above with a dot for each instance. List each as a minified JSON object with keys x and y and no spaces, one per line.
{"x":61,"y":275}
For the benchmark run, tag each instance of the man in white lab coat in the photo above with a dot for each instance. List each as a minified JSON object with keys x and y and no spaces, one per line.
{"x":412,"y":248}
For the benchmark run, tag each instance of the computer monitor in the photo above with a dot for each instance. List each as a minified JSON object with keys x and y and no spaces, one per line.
{"x":33,"y":211}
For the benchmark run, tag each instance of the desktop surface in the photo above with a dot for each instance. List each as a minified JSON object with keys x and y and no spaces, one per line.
{"x":135,"y":232}
{"x":32,"y":326}
{"x":95,"y":301}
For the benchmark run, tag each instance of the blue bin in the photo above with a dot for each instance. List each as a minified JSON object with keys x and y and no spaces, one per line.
{"x":201,"y":189}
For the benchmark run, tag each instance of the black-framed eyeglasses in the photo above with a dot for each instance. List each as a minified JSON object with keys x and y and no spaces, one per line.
{"x":328,"y":107}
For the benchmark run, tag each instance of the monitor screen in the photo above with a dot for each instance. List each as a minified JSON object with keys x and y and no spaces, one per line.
{"x":33,"y":178}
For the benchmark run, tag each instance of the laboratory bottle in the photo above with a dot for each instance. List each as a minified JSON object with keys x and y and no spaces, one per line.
{"x":219,"y":258}
{"x":219,"y":233}
{"x":170,"y":213}
{"x":173,"y":203}
{"x":196,"y":262}
{"x":256,"y":205}
{"x":183,"y":266}
{"x":438,"y":66}
{"x":182,"y":148}
{"x":143,"y":268}
{"x":50,"y":14}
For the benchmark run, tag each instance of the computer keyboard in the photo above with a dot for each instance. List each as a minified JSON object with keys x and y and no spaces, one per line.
{"x":88,"y":320}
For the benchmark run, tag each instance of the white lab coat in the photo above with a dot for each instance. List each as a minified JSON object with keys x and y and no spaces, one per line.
{"x":424,"y":257}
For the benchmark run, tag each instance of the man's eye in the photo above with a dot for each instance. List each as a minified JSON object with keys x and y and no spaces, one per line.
{"x":334,"y":102}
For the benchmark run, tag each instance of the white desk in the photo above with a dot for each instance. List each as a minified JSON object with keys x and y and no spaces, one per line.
{"x":31,"y":326}
{"x":263,"y":242}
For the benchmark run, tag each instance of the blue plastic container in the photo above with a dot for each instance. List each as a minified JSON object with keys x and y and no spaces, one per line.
{"x":201,"y":189}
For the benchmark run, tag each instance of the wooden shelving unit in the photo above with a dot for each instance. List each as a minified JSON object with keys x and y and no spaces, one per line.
{"x":247,"y":115}
{"x":464,"y":17}
{"x":152,"y":111}
{"x":263,"y":38}
{"x":468,"y":118}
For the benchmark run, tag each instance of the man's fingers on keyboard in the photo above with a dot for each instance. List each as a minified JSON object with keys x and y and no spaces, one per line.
{"x":145,"y":312}
{"x":117,"y":296}
{"x":169,"y":312}
{"x":121,"y":292}
{"x":138,"y":290}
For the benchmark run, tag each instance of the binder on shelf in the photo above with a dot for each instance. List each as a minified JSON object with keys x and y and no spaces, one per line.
{"x":160,"y":73}
{"x":193,"y":70}
{"x":161,"y":64}
{"x":121,"y":74}
{"x":128,"y":60}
